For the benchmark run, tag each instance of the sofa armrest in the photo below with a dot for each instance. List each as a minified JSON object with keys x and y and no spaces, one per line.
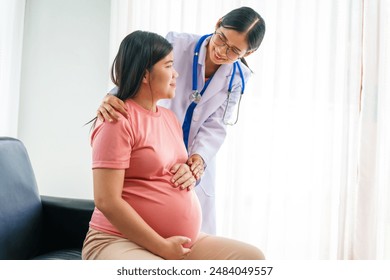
{"x":65,"y":222}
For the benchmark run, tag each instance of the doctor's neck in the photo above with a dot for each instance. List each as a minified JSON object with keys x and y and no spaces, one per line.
{"x":210,"y":67}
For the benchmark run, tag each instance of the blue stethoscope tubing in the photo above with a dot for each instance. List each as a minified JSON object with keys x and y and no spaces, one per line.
{"x":196,"y":96}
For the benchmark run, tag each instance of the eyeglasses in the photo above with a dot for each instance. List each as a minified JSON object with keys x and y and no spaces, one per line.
{"x":220,"y":41}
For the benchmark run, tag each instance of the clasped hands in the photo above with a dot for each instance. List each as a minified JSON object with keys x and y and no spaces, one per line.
{"x":186,"y":174}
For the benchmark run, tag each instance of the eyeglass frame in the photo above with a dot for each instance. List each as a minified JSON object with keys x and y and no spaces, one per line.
{"x":224,"y":43}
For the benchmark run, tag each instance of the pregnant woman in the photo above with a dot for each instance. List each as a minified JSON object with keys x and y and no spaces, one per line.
{"x":140,"y":213}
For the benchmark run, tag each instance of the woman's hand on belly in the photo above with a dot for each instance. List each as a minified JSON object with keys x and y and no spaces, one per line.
{"x":182,"y":176}
{"x":172,"y":248}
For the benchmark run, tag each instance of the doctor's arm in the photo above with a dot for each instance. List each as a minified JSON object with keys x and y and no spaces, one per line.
{"x":212,"y":132}
{"x":209,"y":139}
{"x":108,"y":185}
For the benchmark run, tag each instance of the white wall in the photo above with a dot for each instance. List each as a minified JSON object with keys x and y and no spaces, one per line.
{"x":65,"y":72}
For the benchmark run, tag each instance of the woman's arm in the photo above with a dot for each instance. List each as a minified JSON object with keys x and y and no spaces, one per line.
{"x":108,"y":186}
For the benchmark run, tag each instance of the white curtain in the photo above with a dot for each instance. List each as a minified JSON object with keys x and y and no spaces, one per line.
{"x":305,"y":173}
{"x":288,"y":171}
{"x":372,"y":227}
{"x":11,"y":41}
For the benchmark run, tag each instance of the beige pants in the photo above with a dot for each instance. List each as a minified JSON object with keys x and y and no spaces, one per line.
{"x":103,"y":246}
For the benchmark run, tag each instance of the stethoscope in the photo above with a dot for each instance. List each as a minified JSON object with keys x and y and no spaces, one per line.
{"x":196,"y":96}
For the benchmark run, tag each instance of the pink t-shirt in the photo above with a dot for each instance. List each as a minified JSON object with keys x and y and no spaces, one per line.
{"x":147,"y":145}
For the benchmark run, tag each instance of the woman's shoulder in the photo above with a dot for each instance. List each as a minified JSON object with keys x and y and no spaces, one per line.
{"x":170,"y":117}
{"x":184,"y":38}
{"x":183,"y":46}
{"x":166,"y":112}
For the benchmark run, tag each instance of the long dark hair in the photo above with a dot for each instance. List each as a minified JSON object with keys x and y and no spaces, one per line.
{"x":138,"y":53}
{"x":246,"y":20}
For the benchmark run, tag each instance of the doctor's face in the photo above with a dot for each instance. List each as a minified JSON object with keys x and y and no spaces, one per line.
{"x":163,"y":78}
{"x":226,"y":46}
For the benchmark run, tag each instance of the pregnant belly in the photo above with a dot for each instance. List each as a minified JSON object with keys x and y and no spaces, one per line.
{"x":170,"y":213}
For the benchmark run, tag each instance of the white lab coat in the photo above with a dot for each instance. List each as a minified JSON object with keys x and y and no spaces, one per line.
{"x":207,"y":131}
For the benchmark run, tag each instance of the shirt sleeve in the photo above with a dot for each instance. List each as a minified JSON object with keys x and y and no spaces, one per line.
{"x":114,"y":90}
{"x":112,"y":144}
{"x":169,"y":37}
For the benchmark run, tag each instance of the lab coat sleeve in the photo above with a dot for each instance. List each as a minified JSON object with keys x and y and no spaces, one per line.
{"x":114,"y":90}
{"x":212,"y":132}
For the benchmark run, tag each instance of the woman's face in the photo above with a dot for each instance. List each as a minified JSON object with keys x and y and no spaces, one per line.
{"x":163,"y":78}
{"x":226,"y":46}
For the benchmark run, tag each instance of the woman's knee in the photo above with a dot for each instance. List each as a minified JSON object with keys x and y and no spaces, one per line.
{"x":257,"y":254}
{"x":249,"y":252}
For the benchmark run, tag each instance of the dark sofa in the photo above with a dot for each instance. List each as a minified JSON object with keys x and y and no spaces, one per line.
{"x":34,"y":226}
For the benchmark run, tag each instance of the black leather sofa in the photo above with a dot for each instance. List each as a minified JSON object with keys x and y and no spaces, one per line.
{"x":34,"y":226}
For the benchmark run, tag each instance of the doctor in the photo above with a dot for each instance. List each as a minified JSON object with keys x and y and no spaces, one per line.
{"x":213,"y":74}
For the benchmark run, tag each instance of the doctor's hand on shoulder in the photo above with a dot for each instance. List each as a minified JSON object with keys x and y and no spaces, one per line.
{"x":108,"y":110}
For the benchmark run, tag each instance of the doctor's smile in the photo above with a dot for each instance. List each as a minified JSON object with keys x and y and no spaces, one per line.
{"x":218,"y":57}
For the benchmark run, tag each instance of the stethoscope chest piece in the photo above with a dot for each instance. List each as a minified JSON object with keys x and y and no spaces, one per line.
{"x":195,"y":96}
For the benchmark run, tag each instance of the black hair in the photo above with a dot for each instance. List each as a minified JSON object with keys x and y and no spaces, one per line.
{"x":246,"y":20}
{"x":138,"y":53}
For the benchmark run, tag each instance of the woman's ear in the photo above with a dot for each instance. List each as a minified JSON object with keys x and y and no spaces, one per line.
{"x":145,"y":79}
{"x":248,"y":53}
{"x":218,"y":25}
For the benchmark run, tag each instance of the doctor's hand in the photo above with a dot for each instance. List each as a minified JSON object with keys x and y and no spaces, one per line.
{"x":110,"y":107}
{"x":196,"y":164}
{"x":173,"y":249}
{"x":182,"y":176}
